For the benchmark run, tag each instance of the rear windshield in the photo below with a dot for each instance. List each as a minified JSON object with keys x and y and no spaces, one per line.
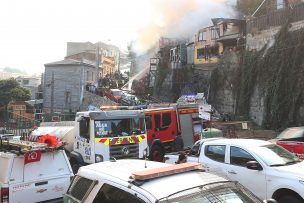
{"x":80,"y":188}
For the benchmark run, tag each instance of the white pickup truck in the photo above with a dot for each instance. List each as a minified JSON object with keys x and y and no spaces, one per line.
{"x":30,"y":172}
{"x":137,"y":181}
{"x":266,"y":169}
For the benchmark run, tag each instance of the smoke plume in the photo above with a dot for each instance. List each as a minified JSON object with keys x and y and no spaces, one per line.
{"x":180,"y":19}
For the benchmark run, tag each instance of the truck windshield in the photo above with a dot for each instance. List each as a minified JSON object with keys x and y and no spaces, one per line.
{"x":224,"y":192}
{"x":119,"y":127}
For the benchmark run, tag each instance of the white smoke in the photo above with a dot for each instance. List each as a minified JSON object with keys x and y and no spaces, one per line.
{"x":180,"y":19}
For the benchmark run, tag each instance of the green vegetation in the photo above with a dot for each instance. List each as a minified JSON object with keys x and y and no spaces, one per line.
{"x":278,"y":74}
{"x":275,"y":72}
{"x":11,"y":91}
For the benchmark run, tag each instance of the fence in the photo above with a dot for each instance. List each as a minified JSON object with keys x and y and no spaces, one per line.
{"x":276,"y":18}
{"x":16,"y":124}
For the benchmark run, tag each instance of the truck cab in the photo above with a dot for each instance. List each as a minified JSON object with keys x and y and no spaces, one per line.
{"x":105,"y":135}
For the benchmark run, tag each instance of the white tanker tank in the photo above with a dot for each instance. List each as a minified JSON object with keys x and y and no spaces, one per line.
{"x":64,"y":131}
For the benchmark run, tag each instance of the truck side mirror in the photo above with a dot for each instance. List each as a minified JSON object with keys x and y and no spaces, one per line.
{"x":81,"y":118}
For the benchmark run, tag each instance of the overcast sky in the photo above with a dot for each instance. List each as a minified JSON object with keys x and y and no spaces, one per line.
{"x":35,"y":32}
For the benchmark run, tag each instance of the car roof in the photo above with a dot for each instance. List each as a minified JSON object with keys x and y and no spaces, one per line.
{"x":158,"y":187}
{"x":247,"y":143}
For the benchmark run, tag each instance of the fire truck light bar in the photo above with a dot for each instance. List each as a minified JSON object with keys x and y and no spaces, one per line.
{"x":165,"y":171}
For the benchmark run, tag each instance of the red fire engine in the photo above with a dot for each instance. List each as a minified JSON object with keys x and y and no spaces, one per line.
{"x":164,"y":124}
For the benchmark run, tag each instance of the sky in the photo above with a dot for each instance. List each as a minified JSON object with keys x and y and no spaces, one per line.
{"x":35,"y":32}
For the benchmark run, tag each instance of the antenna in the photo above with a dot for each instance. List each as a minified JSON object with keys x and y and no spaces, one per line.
{"x":145,"y":155}
{"x":258,"y":8}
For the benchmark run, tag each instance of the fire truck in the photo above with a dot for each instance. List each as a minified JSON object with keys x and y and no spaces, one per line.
{"x":165,"y":123}
{"x":97,"y":136}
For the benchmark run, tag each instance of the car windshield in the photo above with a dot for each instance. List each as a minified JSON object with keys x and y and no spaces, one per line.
{"x":119,"y":127}
{"x":291,"y":133}
{"x":274,"y":155}
{"x":222,"y":192}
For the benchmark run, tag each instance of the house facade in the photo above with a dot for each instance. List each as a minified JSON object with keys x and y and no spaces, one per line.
{"x":95,"y":53}
{"x":30,"y":83}
{"x":207,"y":49}
{"x":108,"y":65}
{"x":64,"y":84}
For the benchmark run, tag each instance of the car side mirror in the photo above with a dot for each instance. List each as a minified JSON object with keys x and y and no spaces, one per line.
{"x":254,"y":165}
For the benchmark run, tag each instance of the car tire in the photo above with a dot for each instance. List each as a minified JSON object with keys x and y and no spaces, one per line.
{"x":290,"y":199}
{"x":157,"y":153}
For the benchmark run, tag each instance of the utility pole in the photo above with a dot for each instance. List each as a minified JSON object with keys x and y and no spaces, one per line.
{"x":97,"y":64}
{"x":52,"y":94}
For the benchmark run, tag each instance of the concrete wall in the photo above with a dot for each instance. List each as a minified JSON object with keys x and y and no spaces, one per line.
{"x":256,"y":111}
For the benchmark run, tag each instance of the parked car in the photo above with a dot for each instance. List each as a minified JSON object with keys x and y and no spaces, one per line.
{"x":266,"y":169}
{"x":29,"y":176}
{"x":138,"y":181}
{"x":114,"y":94}
{"x":292,"y":139}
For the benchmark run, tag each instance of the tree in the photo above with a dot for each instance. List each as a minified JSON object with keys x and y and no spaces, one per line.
{"x":12,"y":91}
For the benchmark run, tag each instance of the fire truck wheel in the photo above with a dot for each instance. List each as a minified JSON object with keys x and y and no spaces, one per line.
{"x":157,"y":153}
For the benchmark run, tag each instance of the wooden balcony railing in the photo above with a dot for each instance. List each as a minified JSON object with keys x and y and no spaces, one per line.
{"x":276,"y":18}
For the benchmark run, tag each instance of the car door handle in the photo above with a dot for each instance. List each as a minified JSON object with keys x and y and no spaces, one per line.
{"x":232,"y":172}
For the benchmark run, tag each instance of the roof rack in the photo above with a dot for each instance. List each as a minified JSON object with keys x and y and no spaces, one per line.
{"x":21,"y":146}
{"x":165,"y":171}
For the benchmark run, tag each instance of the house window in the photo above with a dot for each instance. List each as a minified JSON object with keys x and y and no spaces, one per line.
{"x":20,"y":107}
{"x":280,"y":4}
{"x":67,"y":97}
{"x":207,"y":52}
{"x":88,"y":72}
{"x":200,"y":53}
{"x":25,"y":82}
{"x":202,"y":36}
{"x":214,"y":33}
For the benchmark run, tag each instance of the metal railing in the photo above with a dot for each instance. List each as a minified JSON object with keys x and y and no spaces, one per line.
{"x":279,"y":17}
{"x":16,"y":124}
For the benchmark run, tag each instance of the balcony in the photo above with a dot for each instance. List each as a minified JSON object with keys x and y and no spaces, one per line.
{"x":276,"y":18}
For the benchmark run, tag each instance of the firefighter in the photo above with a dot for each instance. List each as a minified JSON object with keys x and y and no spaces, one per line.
{"x":182,"y":158}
